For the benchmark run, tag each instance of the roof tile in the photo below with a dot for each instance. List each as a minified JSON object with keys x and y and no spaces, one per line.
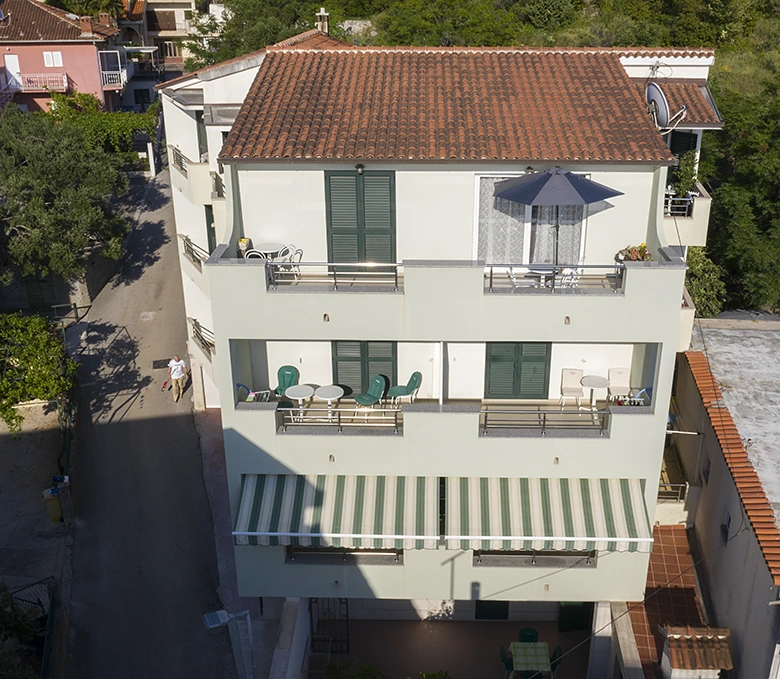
{"x":33,"y":21}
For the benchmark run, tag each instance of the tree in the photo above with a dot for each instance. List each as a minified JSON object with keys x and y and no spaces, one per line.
{"x":33,"y":364}
{"x":92,"y":7}
{"x":704,"y":281}
{"x":16,"y":627}
{"x":55,"y":193}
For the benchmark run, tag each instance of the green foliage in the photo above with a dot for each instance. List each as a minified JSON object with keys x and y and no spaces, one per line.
{"x":55,"y":193}
{"x":33,"y":365}
{"x":112,"y":132}
{"x":550,"y":15}
{"x":686,"y":174}
{"x":92,"y":7}
{"x":16,"y":627}
{"x":336,"y":670}
{"x":704,"y":280}
{"x":442,"y":674}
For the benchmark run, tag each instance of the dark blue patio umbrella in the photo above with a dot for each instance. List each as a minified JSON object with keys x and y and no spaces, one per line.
{"x":554,"y":187}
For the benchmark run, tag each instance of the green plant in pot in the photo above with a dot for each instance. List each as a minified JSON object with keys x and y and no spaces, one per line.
{"x":685,"y":175}
{"x":634,"y":253}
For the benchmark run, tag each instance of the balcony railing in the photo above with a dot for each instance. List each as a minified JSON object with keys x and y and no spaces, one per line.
{"x":180,"y":161}
{"x":542,"y":419}
{"x":341,"y":417}
{"x":40,"y":82}
{"x":203,"y":336}
{"x":196,"y":253}
{"x":334,"y":275}
{"x":672,"y":492}
{"x":114,"y":79}
{"x":554,"y":278}
{"x":675,"y":206}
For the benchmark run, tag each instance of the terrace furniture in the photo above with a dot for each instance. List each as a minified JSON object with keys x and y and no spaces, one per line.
{"x":254,"y":254}
{"x":555,"y":660}
{"x":594,"y":382}
{"x":518,"y":282}
{"x":329,"y":393}
{"x":543,"y":272}
{"x":528,"y":634}
{"x":506,"y":661}
{"x":571,"y":386}
{"x":410,"y":390}
{"x":570,"y":278}
{"x":374,"y":395}
{"x":270,"y":249}
{"x":287,"y":376}
{"x":299,"y":392}
{"x":530,"y":658}
{"x":291,"y":258}
{"x":619,"y":382}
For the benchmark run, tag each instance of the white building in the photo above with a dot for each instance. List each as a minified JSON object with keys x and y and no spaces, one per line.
{"x":484,"y":489}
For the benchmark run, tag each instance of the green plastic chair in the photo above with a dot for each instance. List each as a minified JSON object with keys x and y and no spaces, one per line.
{"x":410,"y":390}
{"x":376,"y":390}
{"x":287,"y":376}
{"x":555,"y":660}
{"x":529,"y":634}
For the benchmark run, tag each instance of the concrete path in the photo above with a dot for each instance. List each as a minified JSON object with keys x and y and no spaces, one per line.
{"x":144,"y":569}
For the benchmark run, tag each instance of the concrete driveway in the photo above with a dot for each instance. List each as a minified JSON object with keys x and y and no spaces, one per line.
{"x":144,"y":568}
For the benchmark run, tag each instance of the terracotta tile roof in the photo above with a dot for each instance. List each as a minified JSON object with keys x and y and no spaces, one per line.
{"x":135,"y":10}
{"x":699,"y":648}
{"x":692,"y":93}
{"x":444,"y":104}
{"x":671,"y":595}
{"x":701,"y":52}
{"x":312,"y":39}
{"x":32,"y":21}
{"x":754,"y":500}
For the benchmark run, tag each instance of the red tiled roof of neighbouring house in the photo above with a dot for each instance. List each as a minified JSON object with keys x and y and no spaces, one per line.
{"x":135,"y":10}
{"x":33,"y":21}
{"x":313,"y":39}
{"x":445,"y":104}
{"x":658,"y":52}
{"x":699,"y":648}
{"x":694,"y":95}
{"x":754,"y":500}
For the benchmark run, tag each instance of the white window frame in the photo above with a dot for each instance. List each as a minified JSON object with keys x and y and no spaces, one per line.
{"x":528,"y":209}
{"x":52,"y":59}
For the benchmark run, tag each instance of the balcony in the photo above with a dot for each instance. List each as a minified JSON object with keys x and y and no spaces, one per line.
{"x":115,"y":69}
{"x":687,"y":219}
{"x":194,"y":179}
{"x":40,"y":82}
{"x":419,"y":300}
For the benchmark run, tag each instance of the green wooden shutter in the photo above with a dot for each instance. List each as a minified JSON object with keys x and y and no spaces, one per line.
{"x":682,"y":142}
{"x":380,"y":359}
{"x":534,"y":367}
{"x":500,"y":370}
{"x":379,"y":216}
{"x":341,"y":197}
{"x":348,"y":366}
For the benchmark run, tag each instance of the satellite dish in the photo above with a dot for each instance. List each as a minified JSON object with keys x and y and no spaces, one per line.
{"x":657,"y":103}
{"x":2,"y":15}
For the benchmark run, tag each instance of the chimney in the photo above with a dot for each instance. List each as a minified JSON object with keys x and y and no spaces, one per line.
{"x":322,"y":21}
{"x":105,"y":18}
{"x":85,"y":23}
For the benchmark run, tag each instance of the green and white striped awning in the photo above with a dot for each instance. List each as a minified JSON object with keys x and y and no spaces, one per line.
{"x":547,"y":514}
{"x":374,"y":512}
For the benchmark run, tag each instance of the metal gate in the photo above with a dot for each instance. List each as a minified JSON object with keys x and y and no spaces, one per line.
{"x":329,"y":625}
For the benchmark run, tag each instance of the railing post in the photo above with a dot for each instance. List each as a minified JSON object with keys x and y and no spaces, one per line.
{"x":335,"y":280}
{"x":395,"y":270}
{"x":490,"y":284}
{"x":544,"y":419}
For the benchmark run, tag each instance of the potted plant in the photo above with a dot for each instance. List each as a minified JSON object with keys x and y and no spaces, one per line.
{"x":634,"y":253}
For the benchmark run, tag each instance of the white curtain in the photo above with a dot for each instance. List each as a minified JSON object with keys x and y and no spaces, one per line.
{"x":543,"y":233}
{"x":501,"y":225}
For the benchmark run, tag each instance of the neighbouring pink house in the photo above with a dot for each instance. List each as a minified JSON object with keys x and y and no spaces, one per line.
{"x":47,"y":49}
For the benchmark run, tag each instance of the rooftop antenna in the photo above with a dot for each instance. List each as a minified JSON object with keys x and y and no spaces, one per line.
{"x":658,"y":106}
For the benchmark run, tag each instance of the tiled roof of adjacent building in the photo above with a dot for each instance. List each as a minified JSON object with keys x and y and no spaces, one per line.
{"x":698,"y":648}
{"x":751,"y":491}
{"x":427,"y":103}
{"x":32,"y":21}
{"x":694,"y":94}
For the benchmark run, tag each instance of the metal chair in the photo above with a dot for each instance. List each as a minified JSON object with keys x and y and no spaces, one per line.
{"x":555,"y":660}
{"x":507,"y":662}
{"x":571,"y":386}
{"x":254,"y":254}
{"x":409,"y":390}
{"x":529,"y":635}
{"x":263,"y":395}
{"x":374,"y":395}
{"x":619,"y":383}
{"x":284,"y":253}
{"x":287,"y":376}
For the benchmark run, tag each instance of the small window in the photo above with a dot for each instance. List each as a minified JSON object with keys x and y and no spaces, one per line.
{"x":336,"y":556}
{"x":535,"y":559}
{"x":52,"y":59}
{"x":57,"y":59}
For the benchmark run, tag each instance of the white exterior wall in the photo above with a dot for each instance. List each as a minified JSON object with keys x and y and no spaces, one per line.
{"x":696,"y":68}
{"x":435,"y":209}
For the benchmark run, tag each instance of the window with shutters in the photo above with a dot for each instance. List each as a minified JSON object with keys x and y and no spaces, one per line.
{"x":360,"y":216}
{"x":517,"y":370}
{"x":355,"y":363}
{"x":52,"y":59}
{"x":513,"y":233}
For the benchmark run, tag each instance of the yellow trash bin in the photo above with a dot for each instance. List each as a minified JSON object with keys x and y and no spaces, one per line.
{"x":51,"y":497}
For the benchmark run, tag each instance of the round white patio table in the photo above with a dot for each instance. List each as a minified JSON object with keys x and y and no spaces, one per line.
{"x":594,"y":382}
{"x":329,"y":393}
{"x":299,"y":392}
{"x":270,"y":249}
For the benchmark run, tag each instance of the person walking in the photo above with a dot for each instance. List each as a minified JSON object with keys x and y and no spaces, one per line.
{"x":177,"y":373}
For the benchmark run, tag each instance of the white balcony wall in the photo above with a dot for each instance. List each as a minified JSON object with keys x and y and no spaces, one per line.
{"x":190,"y":216}
{"x":180,"y":129}
{"x":440,"y":574}
{"x":230,"y":88}
{"x":466,"y":371}
{"x":435,"y":209}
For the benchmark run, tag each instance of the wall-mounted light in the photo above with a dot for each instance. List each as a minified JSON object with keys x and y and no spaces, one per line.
{"x":360,"y":168}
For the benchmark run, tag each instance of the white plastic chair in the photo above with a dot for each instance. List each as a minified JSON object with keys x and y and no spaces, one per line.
{"x":571,"y":386}
{"x":254,"y":254}
{"x":284,"y":254}
{"x":619,"y":383}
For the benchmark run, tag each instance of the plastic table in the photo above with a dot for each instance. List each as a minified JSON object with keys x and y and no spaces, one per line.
{"x":329,"y":393}
{"x":530,"y":656}
{"x":594,"y":382}
{"x":269,"y":249}
{"x":299,"y":392}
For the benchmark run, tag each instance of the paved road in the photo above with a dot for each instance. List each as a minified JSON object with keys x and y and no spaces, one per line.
{"x":144,"y":568}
